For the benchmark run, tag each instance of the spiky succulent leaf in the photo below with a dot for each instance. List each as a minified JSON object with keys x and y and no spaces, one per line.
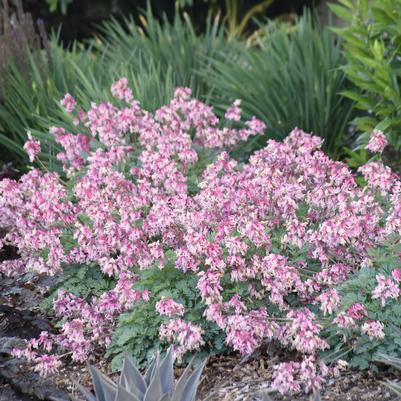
{"x":266,"y":397}
{"x":179,"y":388}
{"x":105,"y":389}
{"x":155,"y":390}
{"x":167,"y":372}
{"x":396,"y":362}
{"x":191,"y":385}
{"x":150,"y":371}
{"x":134,"y":387}
{"x":88,"y":396}
{"x":393,"y":386}
{"x":124,"y":395}
{"x":165,"y":397}
{"x":131,"y":379}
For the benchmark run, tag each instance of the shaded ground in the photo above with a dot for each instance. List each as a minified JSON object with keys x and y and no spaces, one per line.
{"x":227,"y":380}
{"x":7,"y":393}
{"x":20,"y":319}
{"x":224,"y":379}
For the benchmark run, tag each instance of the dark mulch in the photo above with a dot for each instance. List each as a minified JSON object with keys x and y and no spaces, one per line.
{"x":226,"y":379}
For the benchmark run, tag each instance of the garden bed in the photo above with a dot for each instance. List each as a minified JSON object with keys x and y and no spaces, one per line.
{"x":225,"y":378}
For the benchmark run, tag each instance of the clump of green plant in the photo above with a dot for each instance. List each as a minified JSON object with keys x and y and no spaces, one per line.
{"x":157,"y":384}
{"x":137,"y":331}
{"x":371,"y":43}
{"x":362,"y":348}
{"x":174,"y":46}
{"x":155,"y":60}
{"x":291,"y":77}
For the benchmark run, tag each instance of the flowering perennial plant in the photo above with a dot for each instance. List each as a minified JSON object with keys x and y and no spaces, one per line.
{"x":377,"y":142}
{"x":269,"y":240}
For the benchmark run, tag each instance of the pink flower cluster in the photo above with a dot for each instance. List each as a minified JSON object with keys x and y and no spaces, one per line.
{"x":32,"y":147}
{"x":131,"y":201}
{"x":44,"y":364}
{"x":377,"y":142}
{"x":83,"y":325}
{"x":386,"y":288}
{"x":187,"y":336}
{"x":374,"y":329}
{"x":68,"y":103}
{"x":168,"y":307}
{"x":308,"y":375}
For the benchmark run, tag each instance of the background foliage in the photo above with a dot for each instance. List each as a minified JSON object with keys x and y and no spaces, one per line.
{"x":291,"y":78}
{"x":156,"y":57}
{"x":372,"y":40}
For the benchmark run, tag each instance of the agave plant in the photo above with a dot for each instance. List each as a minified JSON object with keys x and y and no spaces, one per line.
{"x":157,"y":384}
{"x":395,"y":362}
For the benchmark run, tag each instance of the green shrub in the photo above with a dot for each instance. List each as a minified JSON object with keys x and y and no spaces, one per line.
{"x":138,"y":330}
{"x":362,"y":351}
{"x":33,"y":104}
{"x":290,"y":78}
{"x":169,"y":55}
{"x":371,"y":42}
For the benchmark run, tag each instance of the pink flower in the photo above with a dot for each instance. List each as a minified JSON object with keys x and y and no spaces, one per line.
{"x":166,"y":306}
{"x":75,"y":146}
{"x":377,"y":142}
{"x":32,"y":147}
{"x":329,"y":300}
{"x":188,"y":336}
{"x":121,"y":91}
{"x":340,"y":367}
{"x":46,"y":365}
{"x":396,"y":274}
{"x":46,"y":341}
{"x":357,"y":311}
{"x":374,"y":329}
{"x":284,"y":378}
{"x":234,"y":111}
{"x":182,"y":93}
{"x":343,"y":321}
{"x":12,"y":267}
{"x":68,"y":103}
{"x":386,"y":288}
{"x":288,"y":377}
{"x":302,"y":333}
{"x":246,"y":332}
{"x":146,"y":295}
